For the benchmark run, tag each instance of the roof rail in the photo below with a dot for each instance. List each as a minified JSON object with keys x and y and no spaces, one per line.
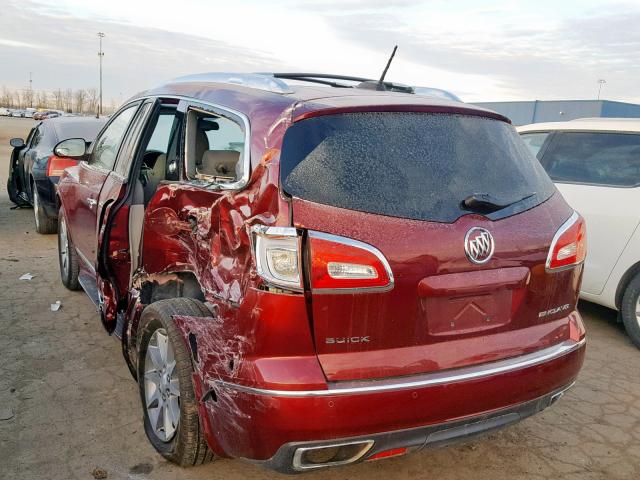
{"x":362,"y":82}
{"x":258,"y":81}
{"x":274,"y":82}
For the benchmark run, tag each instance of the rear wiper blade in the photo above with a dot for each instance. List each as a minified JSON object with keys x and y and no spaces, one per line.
{"x":487,"y":203}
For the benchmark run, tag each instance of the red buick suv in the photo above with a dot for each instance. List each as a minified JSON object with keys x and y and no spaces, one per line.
{"x":323,"y":271}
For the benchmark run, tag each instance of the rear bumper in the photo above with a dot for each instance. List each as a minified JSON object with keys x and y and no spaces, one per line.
{"x":433,"y":409}
{"x":416,"y":439}
{"x":47,"y":190}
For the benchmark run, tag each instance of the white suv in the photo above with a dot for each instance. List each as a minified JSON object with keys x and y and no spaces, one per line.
{"x":595,"y":163}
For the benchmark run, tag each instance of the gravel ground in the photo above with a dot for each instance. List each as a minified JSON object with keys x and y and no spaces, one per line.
{"x":68,"y":404}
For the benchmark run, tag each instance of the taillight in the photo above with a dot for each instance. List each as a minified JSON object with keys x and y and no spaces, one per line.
{"x":277,"y":255}
{"x":56,"y":165}
{"x":342,"y":264}
{"x":569,"y":245}
{"x":336,"y":264}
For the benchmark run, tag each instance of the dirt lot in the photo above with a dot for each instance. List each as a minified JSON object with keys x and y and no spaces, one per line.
{"x":69,"y":405}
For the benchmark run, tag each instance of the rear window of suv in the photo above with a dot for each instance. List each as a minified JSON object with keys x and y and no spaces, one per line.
{"x":594,"y":158}
{"x":411,"y":165}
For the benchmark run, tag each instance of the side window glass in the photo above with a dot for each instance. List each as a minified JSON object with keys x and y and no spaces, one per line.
{"x":107,"y":145}
{"x":123,"y":164}
{"x":37,"y":136}
{"x":30,"y":137}
{"x":535,"y":141}
{"x":161,"y":135}
{"x":156,"y":164}
{"x":596,"y":158}
{"x":215,"y":148}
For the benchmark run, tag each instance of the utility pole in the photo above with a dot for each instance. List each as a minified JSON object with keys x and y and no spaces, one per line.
{"x":601,"y":82}
{"x":30,"y":91}
{"x":100,"y":55}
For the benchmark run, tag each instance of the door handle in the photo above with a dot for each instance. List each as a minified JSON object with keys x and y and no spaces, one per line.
{"x":91,"y":202}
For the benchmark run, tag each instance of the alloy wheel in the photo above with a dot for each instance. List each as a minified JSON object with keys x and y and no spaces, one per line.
{"x":161,"y":386}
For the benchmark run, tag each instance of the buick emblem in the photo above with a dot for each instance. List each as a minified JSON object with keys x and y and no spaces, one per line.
{"x":478,"y":245}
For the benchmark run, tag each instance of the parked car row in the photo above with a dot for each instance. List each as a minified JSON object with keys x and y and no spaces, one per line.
{"x":43,"y":115}
{"x":30,"y":113}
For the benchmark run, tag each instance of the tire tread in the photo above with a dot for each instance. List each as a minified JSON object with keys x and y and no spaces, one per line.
{"x":628,"y":310}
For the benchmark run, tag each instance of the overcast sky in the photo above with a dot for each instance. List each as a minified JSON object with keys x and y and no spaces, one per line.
{"x":480,"y":50}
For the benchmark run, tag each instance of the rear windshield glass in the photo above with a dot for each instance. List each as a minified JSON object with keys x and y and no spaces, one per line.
{"x":411,"y":165}
{"x":87,"y":129}
{"x":594,"y":158}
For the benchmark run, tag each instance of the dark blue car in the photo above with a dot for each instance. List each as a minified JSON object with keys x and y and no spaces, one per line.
{"x":34,"y":169}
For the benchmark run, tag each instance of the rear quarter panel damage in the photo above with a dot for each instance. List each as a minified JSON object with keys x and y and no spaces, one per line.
{"x":254,"y":337}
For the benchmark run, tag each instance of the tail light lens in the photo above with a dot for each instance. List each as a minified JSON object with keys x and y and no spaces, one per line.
{"x":336,"y":264}
{"x":56,"y":165}
{"x":277,"y":255}
{"x":569,"y":245}
{"x":343,"y":264}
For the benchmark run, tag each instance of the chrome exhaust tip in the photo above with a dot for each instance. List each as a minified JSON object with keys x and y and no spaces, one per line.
{"x":558,"y":395}
{"x":332,"y":455}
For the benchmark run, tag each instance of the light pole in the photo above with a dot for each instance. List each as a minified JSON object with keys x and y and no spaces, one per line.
{"x":601,"y":82}
{"x":30,"y":91}
{"x":100,"y":55}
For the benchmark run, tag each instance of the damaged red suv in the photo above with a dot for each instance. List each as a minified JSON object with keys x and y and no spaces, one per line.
{"x":306,"y":276}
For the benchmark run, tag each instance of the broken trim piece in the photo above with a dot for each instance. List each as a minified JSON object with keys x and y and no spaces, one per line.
{"x":430,"y":379}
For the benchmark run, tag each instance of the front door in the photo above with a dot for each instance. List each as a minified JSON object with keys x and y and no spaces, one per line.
{"x":140,"y":167}
{"x":84,"y":216}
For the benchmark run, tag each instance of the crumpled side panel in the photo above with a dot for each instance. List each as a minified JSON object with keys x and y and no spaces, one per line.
{"x":266,"y":343}
{"x":188,"y":228}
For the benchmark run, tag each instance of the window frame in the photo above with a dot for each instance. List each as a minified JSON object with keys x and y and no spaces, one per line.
{"x":239,"y":118}
{"x":38,"y":135}
{"x":131,"y":141}
{"x":91,"y":158}
{"x":551,"y":142}
{"x":545,"y":145}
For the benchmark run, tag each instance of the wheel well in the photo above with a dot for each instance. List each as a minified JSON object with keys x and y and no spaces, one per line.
{"x":170,"y":285}
{"x":624,"y":281}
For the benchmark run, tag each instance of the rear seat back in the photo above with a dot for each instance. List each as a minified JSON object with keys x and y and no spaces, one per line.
{"x":219,"y":163}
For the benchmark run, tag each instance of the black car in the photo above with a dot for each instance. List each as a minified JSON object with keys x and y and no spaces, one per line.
{"x":34,"y":169}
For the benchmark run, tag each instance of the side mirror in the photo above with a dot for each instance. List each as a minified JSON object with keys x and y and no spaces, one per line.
{"x":16,"y":142}
{"x":71,"y":148}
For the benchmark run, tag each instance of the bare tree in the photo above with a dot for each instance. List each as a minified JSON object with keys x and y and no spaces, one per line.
{"x":58,"y":99}
{"x":6,"y":98}
{"x":92,"y":100}
{"x":80,"y":98}
{"x":27,"y":98}
{"x":42,"y":99}
{"x":18,"y":98}
{"x":68,"y":100}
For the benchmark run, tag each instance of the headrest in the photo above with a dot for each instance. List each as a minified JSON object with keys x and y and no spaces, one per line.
{"x":220,"y":163}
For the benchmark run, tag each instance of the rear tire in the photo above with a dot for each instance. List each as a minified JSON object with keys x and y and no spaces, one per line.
{"x":44,"y":223}
{"x":186,"y":444}
{"x":630,"y":310}
{"x":67,"y":256}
